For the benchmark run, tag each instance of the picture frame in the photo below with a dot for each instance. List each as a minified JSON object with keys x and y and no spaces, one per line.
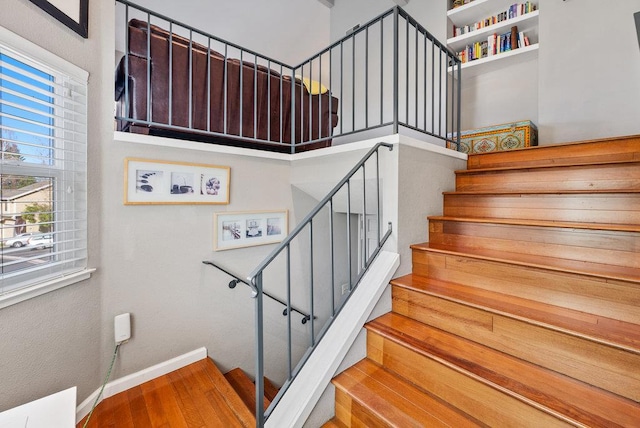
{"x":72,"y":13}
{"x":149,"y":182}
{"x":249,"y":228}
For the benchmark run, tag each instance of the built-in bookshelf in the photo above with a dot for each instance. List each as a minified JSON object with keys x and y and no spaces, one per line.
{"x":495,"y":17}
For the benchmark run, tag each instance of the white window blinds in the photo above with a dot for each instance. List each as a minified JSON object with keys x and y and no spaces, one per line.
{"x":43,"y":165}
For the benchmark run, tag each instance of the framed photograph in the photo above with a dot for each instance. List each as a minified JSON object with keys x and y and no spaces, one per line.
{"x":72,"y":13}
{"x":161,"y":182}
{"x":249,"y":228}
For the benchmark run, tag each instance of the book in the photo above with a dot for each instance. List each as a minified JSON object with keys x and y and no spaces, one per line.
{"x":514,"y":37}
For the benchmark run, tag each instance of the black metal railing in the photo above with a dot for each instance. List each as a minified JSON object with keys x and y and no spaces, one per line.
{"x":390,"y":72}
{"x":236,"y":279}
{"x":358,"y":260}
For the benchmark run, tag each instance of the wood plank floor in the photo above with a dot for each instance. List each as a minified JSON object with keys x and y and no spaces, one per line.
{"x":196,"y":395}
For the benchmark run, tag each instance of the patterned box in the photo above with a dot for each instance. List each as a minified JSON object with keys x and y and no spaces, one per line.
{"x":507,"y":136}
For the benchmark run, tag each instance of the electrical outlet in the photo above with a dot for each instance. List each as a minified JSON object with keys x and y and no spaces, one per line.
{"x":345,"y":288}
{"x":122,"y":327}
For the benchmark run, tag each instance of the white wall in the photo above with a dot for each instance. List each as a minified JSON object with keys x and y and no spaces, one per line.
{"x":286,"y":30}
{"x":148,"y":259}
{"x":583,"y":85}
{"x":589,"y":70}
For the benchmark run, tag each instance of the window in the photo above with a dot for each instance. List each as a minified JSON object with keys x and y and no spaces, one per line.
{"x":43,"y":170}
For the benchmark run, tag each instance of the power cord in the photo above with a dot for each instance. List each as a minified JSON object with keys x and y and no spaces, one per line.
{"x":106,"y":379}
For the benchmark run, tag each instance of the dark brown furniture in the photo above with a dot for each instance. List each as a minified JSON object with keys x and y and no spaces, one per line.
{"x":261,"y":112}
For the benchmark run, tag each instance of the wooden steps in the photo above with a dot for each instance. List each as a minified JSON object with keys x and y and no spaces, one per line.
{"x":246,"y":388}
{"x":603,"y":150}
{"x":523,"y":309}
{"x":599,"y":208}
{"x":604,"y":177}
{"x":196,"y":395}
{"x":574,"y":341}
{"x":590,"y":243}
{"x":493,"y":387}
{"x":368,"y":395}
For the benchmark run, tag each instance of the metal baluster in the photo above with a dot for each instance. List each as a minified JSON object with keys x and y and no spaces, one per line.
{"x":226,"y":90}
{"x":148,"y":68}
{"x":259,"y":380}
{"x":190,"y":79}
{"x":396,"y":89}
{"x":241,"y":134}
{"x":126,"y":63}
{"x":416,"y":101}
{"x":440,"y":93}
{"x":366,"y":78}
{"x":459,"y":103}
{"x":290,"y":352}
{"x":170,"y":73}
{"x":341,"y":86}
{"x":311,"y":312}
{"x":349,"y":229}
{"x":320,"y":98}
{"x":364,"y":214}
{"x":207,"y":56}
{"x":425,"y":83}
{"x":406,"y":82}
{"x":269,"y":100}
{"x":333,"y":268}
{"x":255,"y":97}
{"x":379,"y":233}
{"x":433,"y":88}
{"x":381,"y":71}
{"x":353,"y":83}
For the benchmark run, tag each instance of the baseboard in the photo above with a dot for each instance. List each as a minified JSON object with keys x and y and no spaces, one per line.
{"x":134,"y":379}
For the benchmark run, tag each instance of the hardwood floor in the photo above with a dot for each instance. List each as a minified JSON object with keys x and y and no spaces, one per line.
{"x":197,"y":395}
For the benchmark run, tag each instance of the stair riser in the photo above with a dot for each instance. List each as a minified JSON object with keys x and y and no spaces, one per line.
{"x":490,"y":405}
{"x":593,"y":208}
{"x":579,"y":178}
{"x":612,"y":299}
{"x":614,"y":150}
{"x":617,"y":248}
{"x":612,"y":369}
{"x":354,"y":415}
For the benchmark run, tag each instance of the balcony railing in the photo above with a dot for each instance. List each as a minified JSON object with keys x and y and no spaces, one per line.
{"x":175,"y":80}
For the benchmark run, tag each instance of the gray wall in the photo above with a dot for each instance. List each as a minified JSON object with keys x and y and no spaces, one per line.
{"x":54,"y":341}
{"x":589,"y":66}
{"x":148,"y":258}
{"x":583,"y":85}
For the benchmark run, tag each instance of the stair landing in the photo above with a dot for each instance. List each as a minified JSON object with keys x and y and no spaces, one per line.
{"x":196,"y":395}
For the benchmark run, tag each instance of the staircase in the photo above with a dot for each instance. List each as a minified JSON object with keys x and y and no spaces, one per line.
{"x":523,"y":309}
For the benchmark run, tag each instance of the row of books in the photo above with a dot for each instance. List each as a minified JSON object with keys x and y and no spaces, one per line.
{"x":494,"y":45}
{"x":513,"y":11}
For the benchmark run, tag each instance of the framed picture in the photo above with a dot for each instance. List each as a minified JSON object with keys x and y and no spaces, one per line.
{"x":72,"y":13}
{"x":162,"y":182}
{"x":249,"y":228}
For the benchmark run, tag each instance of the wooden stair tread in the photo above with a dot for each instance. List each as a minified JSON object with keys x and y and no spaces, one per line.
{"x":333,"y":423}
{"x":545,"y":166}
{"x":541,"y":223}
{"x":270,"y":390}
{"x":543,"y":192}
{"x":245,"y":388}
{"x":550,"y":263}
{"x":545,"y":389}
{"x":618,"y":148}
{"x":194,"y":395}
{"x":618,"y":334}
{"x":395,"y":401}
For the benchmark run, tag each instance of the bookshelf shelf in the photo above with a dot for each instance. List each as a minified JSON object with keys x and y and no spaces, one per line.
{"x":527,"y":23}
{"x":479,"y":10}
{"x":496,"y":62}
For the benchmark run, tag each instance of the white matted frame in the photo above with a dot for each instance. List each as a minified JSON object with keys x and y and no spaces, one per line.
{"x":249,"y":228}
{"x":148,"y":182}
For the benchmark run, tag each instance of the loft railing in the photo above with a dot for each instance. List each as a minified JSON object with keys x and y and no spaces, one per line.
{"x":361,"y":255}
{"x":388,"y":73}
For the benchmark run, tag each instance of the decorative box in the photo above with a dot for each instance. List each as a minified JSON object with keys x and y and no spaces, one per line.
{"x":507,"y":136}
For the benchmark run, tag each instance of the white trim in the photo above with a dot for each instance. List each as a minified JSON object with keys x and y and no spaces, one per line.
{"x":134,"y":379}
{"x":31,"y":291}
{"x":22,"y":47}
{"x":128,"y":137}
{"x":303,"y":394}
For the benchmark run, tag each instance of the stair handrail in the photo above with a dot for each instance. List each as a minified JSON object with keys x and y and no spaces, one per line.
{"x":255,"y":278}
{"x":236,"y":278}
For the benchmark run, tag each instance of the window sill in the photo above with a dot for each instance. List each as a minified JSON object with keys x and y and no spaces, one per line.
{"x":26,"y":293}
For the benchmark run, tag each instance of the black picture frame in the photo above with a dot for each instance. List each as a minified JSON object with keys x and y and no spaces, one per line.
{"x":81,"y":27}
